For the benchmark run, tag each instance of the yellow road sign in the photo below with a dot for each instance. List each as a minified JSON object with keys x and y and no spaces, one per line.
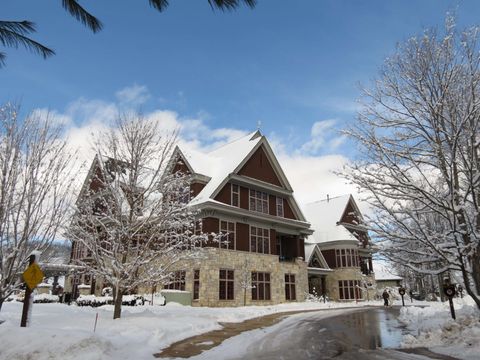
{"x":33,"y":276}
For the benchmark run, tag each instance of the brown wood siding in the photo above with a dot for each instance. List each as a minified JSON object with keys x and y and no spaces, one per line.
{"x":96,"y":183}
{"x":210,"y":225}
{"x":272,"y":205}
{"x":180,"y":166}
{"x":273,"y":242}
{"x":301,"y":247}
{"x":287,"y":210}
{"x":329,"y":256}
{"x":244,"y":195}
{"x":259,"y":167}
{"x":196,"y":187}
{"x":225,"y":196}
{"x":350,"y":216}
{"x":243,"y":237}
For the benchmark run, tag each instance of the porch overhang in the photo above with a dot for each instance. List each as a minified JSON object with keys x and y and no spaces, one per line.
{"x":318,"y":271}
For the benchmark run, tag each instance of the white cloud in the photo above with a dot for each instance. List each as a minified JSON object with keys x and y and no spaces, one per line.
{"x":133,"y":95}
{"x":310,"y":175}
{"x":318,"y":135}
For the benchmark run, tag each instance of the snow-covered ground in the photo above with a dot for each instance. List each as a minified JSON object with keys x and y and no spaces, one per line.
{"x":434,"y":328}
{"x":65,"y":332}
{"x":60,"y":331}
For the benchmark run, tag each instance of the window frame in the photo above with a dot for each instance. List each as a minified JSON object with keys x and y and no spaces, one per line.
{"x":228,"y":284}
{"x":257,"y":236}
{"x":232,"y":244}
{"x":349,"y":290}
{"x":261,"y":286}
{"x":346,"y":258}
{"x":196,"y":284}
{"x":235,"y":193}
{"x":277,"y":204}
{"x":259,"y":199}
{"x":290,"y":287}
{"x":177,"y":281}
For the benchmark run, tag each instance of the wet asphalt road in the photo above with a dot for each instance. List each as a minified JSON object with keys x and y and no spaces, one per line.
{"x":367,"y":334}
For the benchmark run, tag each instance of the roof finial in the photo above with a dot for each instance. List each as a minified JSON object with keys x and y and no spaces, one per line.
{"x":259,"y":125}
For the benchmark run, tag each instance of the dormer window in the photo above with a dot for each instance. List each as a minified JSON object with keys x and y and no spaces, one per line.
{"x":259,"y":201}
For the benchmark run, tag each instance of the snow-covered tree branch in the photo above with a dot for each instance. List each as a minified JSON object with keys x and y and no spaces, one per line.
{"x":419,"y":138}
{"x":132,"y":218}
{"x":35,"y":187}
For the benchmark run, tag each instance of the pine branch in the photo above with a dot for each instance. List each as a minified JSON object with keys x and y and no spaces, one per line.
{"x":82,"y":15}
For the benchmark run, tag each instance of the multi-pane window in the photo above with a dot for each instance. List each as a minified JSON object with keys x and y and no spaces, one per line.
{"x":196,"y":284}
{"x":227,"y":240}
{"x":260,"y":286}
{"x":235,"y":195}
{"x":346,"y":258}
{"x":290,"y":293}
{"x":177,"y":281}
{"x":226,"y":282}
{"x":79,"y":250}
{"x":259,"y":240}
{"x":280,"y":207}
{"x":258,"y":201}
{"x":349,"y":289}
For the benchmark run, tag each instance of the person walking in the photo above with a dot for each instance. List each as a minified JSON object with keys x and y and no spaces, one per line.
{"x":385,"y":297}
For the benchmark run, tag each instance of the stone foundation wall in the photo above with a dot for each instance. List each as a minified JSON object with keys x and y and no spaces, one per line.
{"x":243,"y":264}
{"x":332,"y":279}
{"x":213,"y":259}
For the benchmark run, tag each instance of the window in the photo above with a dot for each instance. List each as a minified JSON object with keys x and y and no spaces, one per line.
{"x":196,"y":284}
{"x":258,"y":201}
{"x":349,"y":289}
{"x":259,"y":240}
{"x":260,"y":286}
{"x":235,"y":195}
{"x":79,"y":250}
{"x":346,"y":258}
{"x":280,"y":206}
{"x":227,"y":240}
{"x":226,"y":281}
{"x":177,"y":281}
{"x":290,"y":287}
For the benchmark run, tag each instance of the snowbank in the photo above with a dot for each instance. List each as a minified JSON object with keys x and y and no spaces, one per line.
{"x":59,"y":331}
{"x":434,"y":328}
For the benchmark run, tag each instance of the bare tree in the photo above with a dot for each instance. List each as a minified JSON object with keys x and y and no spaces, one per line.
{"x":132,"y":217}
{"x":34,"y":191}
{"x":418,"y":134}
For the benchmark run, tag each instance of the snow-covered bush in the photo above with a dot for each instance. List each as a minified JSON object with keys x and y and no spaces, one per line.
{"x":45,"y":298}
{"x":94,"y":301}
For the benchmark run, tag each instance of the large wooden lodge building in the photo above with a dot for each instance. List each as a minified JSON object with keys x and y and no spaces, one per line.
{"x":241,"y":189}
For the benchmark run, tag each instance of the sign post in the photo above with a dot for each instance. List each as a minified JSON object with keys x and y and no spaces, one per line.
{"x":401,"y":291}
{"x":449,"y":290}
{"x":32,"y":277}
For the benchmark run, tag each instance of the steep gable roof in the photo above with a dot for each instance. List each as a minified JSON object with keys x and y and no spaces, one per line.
{"x":325,"y":217}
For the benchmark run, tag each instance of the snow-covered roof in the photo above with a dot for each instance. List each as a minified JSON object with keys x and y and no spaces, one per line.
{"x":324,"y":216}
{"x":383,"y":271}
{"x":219,"y":163}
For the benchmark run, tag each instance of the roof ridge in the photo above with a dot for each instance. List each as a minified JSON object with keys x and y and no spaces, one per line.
{"x":231,"y":142}
{"x":328,"y":199}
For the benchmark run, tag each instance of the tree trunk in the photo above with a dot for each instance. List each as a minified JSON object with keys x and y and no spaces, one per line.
{"x":117,"y":310}
{"x":476,"y":270}
{"x":1,"y":303}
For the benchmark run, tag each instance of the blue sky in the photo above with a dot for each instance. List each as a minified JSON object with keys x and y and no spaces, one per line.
{"x":293,"y":65}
